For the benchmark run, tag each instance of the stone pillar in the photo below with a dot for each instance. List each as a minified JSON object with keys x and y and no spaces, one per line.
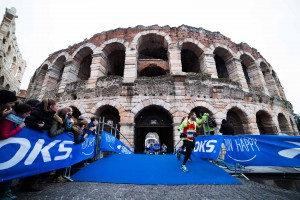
{"x":261,"y":82}
{"x":69,"y":75}
{"x":97,"y":69}
{"x":127,"y":130}
{"x":271,"y":84}
{"x":50,"y":81}
{"x":130,"y":70}
{"x":175,"y":64}
{"x":208,"y":65}
{"x":236,"y":73}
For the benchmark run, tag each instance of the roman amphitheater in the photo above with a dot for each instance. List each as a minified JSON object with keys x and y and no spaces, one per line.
{"x":145,"y":79}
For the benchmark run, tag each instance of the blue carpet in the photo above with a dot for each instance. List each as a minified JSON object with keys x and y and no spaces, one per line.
{"x":152,"y":169}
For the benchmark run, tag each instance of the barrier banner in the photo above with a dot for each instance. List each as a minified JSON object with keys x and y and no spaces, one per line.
{"x":208,"y":146}
{"x":263,"y":150}
{"x":31,"y":152}
{"x":111,"y":143}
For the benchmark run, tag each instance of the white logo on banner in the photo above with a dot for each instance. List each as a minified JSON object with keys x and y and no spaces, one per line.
{"x":37,"y":149}
{"x":207,"y":146}
{"x":290,"y":153}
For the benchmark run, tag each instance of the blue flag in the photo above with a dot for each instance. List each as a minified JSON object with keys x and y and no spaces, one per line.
{"x":111,"y":143}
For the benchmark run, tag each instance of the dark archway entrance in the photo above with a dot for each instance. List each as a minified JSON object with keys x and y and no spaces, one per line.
{"x":153,"y":119}
{"x":111,"y":118}
{"x":197,"y":110}
{"x":265,"y":123}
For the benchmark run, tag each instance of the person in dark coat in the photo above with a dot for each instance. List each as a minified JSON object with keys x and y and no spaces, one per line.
{"x":226,"y":128}
{"x":41,"y":118}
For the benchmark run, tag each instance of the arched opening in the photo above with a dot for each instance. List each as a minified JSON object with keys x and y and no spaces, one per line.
{"x":76,"y":112}
{"x":115,"y":53}
{"x":7,"y":87}
{"x":153,"y":53}
{"x":197,"y":110}
{"x":40,"y":79}
{"x":238,"y":119}
{"x":84,"y":58}
{"x":152,"y":71}
{"x":267,"y":76}
{"x":283,"y":123}
{"x":153,"y":119}
{"x":58,"y":66}
{"x":1,"y":81}
{"x":248,"y":69}
{"x":8,"y":50}
{"x":190,"y":56}
{"x":111,"y":116}
{"x":221,"y":57}
{"x":264,"y":123}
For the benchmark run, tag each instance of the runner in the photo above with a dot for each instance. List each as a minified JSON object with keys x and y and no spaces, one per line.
{"x":189,"y":129}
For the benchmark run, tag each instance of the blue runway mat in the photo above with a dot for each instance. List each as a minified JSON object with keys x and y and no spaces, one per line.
{"x":153,"y":169}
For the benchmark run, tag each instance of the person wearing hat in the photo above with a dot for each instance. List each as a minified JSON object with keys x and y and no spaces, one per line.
{"x":7,"y":101}
{"x":204,"y":120}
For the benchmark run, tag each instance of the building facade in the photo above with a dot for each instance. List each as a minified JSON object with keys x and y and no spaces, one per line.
{"x":12,"y":65}
{"x":146,"y":79}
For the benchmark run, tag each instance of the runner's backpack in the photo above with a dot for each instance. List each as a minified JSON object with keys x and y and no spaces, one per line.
{"x":211,"y":122}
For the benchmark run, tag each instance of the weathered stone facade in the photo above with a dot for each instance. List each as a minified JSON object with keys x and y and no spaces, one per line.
{"x":147,"y":78}
{"x":12,"y":65}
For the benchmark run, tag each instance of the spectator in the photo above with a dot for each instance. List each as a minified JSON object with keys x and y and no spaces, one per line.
{"x":7,"y":101}
{"x":204,"y":119}
{"x":10,"y":126}
{"x":41,"y":118}
{"x":226,"y":128}
{"x":33,"y":103}
{"x":58,"y":125}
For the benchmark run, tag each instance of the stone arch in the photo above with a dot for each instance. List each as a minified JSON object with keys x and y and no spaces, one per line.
{"x":239,"y":119}
{"x":191,"y":51}
{"x":83,"y":57}
{"x":77,"y":56}
{"x":113,"y":40}
{"x":201,"y":104}
{"x":145,"y":103}
{"x":112,"y":103}
{"x":265,"y":122}
{"x":114,"y":57}
{"x":222,"y":56}
{"x":153,"y":119}
{"x":65,"y":54}
{"x":249,"y":68}
{"x":283,"y":123}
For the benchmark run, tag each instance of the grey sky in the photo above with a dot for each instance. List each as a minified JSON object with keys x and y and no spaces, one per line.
{"x":270,"y":26}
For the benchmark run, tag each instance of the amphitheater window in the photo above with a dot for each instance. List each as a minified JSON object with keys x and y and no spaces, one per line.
{"x":235,"y":119}
{"x":4,"y":40}
{"x":8,"y":34}
{"x":85,"y":68}
{"x":221,"y":67}
{"x":73,"y":96}
{"x":283,"y":123}
{"x":153,"y":46}
{"x":8,"y":50}
{"x":117,"y":62}
{"x":190,"y":54}
{"x":264,"y":123}
{"x":1,"y":81}
{"x":152,"y":71}
{"x":245,"y":70}
{"x":7,"y":87}
{"x":110,"y":115}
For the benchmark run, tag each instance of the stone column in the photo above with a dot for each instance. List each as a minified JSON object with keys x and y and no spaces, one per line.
{"x":69,"y":75}
{"x":260,"y":81}
{"x":175,"y":64}
{"x":130,"y":70}
{"x":50,"y":81}
{"x":97,"y":69}
{"x":236,"y":73}
{"x":127,"y":130}
{"x":271,"y":84}
{"x":208,"y":65}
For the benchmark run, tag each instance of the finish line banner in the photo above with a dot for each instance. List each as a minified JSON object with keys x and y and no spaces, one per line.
{"x":111,"y":143}
{"x":263,"y":150}
{"x":31,"y":152}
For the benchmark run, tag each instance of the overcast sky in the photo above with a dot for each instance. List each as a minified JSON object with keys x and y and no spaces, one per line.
{"x":270,"y":26}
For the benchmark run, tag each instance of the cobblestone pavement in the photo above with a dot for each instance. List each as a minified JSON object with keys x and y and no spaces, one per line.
{"x":106,"y":191}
